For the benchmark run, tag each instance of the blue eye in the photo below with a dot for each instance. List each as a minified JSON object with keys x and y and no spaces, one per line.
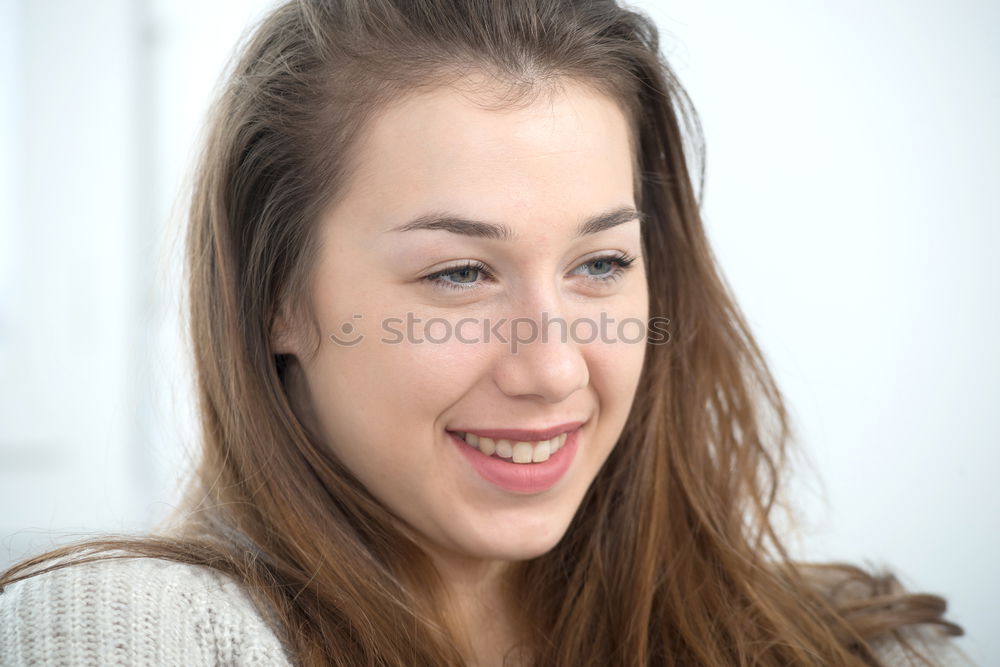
{"x":464,"y":277}
{"x":607,"y":271}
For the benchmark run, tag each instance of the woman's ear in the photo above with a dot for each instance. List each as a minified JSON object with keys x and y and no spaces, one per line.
{"x":283,"y":338}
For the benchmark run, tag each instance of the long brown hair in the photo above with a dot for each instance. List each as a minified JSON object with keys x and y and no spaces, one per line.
{"x":673,"y":556}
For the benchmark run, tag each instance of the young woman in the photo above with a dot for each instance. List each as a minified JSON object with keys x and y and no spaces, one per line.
{"x":472,"y":389}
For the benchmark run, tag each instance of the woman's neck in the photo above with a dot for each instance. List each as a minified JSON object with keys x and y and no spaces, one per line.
{"x":479,"y":608}
{"x":491,"y":634}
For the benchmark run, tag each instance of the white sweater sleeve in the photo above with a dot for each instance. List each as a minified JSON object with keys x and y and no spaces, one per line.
{"x":135,"y":611}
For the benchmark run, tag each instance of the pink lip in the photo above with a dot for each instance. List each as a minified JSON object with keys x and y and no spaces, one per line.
{"x":524,"y":478}
{"x":521,"y":434}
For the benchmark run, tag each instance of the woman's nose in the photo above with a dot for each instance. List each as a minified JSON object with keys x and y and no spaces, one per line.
{"x":541,"y":359}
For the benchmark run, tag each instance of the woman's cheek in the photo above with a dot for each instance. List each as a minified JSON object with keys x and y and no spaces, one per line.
{"x":440,"y":367}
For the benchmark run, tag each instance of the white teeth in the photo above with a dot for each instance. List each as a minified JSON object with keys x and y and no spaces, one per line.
{"x":517,"y":451}
{"x":541,"y":452}
{"x":504,"y":449}
{"x":522,"y":452}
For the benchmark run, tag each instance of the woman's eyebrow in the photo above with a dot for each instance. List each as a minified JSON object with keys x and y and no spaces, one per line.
{"x":455,"y":224}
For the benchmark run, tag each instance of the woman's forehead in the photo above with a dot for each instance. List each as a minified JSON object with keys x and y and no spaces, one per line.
{"x":441,"y":149}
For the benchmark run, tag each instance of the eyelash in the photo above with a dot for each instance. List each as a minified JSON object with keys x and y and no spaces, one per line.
{"x":623,"y":260}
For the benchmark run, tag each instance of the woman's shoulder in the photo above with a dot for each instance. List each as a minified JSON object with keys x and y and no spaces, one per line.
{"x":846,"y":585}
{"x":134,"y":610}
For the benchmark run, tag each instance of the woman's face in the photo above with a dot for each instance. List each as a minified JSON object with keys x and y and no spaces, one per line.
{"x":394,"y":378}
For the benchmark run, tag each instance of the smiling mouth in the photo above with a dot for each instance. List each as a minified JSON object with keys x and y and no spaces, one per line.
{"x":515,"y":450}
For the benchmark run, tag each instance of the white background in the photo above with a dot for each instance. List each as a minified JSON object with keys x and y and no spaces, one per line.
{"x":853,"y":169}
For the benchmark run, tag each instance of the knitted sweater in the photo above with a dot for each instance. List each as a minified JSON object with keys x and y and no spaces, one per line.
{"x":146,"y":611}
